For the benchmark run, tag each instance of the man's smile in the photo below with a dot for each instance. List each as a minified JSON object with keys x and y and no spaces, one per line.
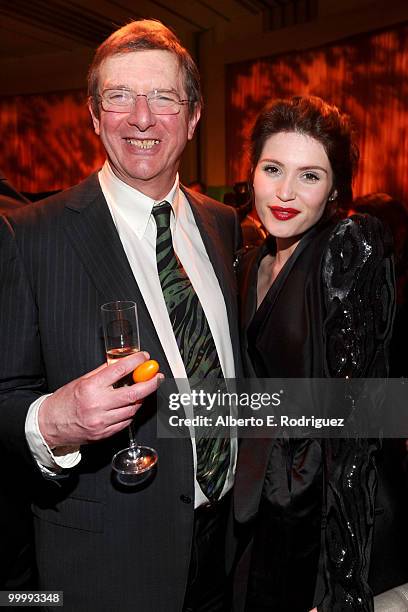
{"x":142,"y":143}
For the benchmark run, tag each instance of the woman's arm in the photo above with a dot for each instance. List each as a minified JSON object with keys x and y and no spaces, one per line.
{"x":359,"y":291}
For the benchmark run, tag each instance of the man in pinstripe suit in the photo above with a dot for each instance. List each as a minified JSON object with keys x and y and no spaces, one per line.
{"x":159,"y":547}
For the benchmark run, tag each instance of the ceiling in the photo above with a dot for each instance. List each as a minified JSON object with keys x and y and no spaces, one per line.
{"x":33,"y":27}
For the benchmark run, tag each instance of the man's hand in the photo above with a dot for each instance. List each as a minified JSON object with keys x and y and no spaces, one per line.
{"x":89,"y":408}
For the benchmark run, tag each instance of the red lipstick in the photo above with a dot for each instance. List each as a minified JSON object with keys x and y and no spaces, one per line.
{"x":283,"y":214}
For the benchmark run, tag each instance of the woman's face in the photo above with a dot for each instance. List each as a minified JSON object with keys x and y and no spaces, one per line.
{"x":293,"y":180}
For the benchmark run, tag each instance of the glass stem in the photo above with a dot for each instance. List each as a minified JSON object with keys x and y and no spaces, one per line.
{"x":132,"y":440}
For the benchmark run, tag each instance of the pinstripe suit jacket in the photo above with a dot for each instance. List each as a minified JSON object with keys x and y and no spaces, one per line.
{"x":59,"y":261}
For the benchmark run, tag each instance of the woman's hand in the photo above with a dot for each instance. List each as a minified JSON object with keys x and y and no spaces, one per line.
{"x":314,"y":610}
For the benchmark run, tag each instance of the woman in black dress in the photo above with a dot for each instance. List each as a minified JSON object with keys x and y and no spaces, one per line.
{"x":317,"y":301}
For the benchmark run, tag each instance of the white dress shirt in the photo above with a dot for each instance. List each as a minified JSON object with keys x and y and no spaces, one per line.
{"x":131,"y":211}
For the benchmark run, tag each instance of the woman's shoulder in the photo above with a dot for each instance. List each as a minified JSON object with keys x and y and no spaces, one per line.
{"x":361,"y":231}
{"x":356,"y":240}
{"x":357,"y":248}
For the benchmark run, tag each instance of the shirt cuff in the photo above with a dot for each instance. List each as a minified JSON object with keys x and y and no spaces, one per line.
{"x":48,"y":461}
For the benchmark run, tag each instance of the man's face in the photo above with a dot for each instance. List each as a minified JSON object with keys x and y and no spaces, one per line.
{"x":144,"y":149}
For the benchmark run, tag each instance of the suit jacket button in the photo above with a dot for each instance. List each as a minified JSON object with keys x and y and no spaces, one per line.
{"x":186,"y":499}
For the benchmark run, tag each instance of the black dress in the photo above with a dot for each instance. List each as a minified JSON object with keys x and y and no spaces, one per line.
{"x":328,"y":314}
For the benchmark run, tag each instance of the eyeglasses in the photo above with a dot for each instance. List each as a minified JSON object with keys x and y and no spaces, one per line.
{"x":160,"y":101}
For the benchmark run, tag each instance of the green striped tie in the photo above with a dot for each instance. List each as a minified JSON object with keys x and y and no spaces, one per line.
{"x":196,"y":345}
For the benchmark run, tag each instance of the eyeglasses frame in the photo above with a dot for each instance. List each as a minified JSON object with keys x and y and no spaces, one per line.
{"x":181,"y":102}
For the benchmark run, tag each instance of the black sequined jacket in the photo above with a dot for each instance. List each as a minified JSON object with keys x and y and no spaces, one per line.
{"x":328,"y":314}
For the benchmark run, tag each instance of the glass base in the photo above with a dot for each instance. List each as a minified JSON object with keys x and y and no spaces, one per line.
{"x":133,"y":465}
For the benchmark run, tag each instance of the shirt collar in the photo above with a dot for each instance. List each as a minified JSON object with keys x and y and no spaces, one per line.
{"x":133,"y":205}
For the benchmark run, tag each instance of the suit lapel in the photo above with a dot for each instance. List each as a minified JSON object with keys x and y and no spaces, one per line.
{"x":221,"y":259}
{"x":272,"y":295}
{"x":248,"y":273}
{"x":94,"y":237}
{"x":248,"y":276}
{"x":210,"y":234}
{"x":90,"y":229}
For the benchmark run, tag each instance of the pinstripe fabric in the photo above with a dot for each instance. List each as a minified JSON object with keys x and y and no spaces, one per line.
{"x":196,"y":344}
{"x":59,"y":261}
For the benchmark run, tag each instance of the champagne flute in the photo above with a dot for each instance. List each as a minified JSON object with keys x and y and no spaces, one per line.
{"x":132,"y":465}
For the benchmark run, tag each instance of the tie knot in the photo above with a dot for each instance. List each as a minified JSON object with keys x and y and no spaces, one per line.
{"x":161,"y":213}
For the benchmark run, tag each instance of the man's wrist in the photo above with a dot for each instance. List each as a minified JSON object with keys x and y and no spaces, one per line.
{"x":52,"y":461}
{"x":44,"y":427}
